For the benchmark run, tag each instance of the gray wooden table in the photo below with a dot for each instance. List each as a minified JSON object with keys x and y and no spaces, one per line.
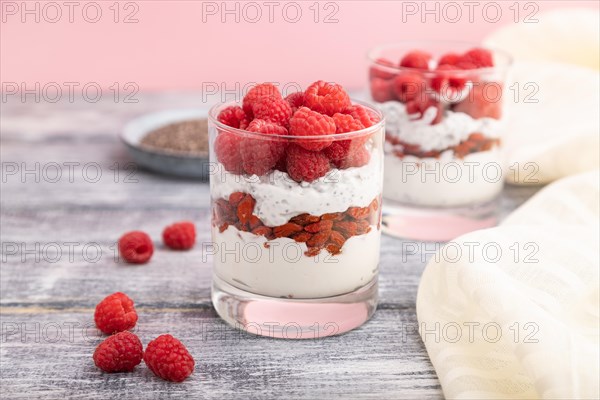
{"x":58,"y":235}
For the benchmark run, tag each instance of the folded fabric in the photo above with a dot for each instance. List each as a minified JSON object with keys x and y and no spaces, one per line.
{"x":567,"y":35}
{"x":553,"y":100}
{"x":553,"y":122}
{"x":512,"y":311}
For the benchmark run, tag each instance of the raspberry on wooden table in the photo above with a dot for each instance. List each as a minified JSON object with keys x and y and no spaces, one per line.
{"x":116,"y":313}
{"x":136,"y":247}
{"x":326,"y":98}
{"x":306,"y":122}
{"x":180,"y":235}
{"x":169,"y":359}
{"x":119,"y":353}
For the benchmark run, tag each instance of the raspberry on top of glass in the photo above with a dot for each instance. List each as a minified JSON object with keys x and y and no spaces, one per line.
{"x":452,"y":91}
{"x":324,"y":109}
{"x":298,"y":160}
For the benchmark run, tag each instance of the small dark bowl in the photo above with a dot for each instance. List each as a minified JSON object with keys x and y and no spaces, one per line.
{"x":167,"y":162}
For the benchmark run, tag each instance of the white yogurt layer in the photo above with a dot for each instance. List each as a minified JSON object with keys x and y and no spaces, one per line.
{"x":454,"y":128}
{"x":283,"y":270}
{"x":279,"y":198}
{"x":444,"y":182}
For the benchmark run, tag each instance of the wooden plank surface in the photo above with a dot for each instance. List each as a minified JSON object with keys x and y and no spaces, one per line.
{"x":48,"y":292}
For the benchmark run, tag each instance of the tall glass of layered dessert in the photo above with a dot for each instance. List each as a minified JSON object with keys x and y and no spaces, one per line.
{"x":443,"y":104}
{"x":296,"y":205}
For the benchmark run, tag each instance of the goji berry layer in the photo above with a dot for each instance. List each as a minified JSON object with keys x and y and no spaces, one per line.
{"x":476,"y":142}
{"x":319,"y":232}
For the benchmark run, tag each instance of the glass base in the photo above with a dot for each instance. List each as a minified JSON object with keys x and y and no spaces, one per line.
{"x":436,"y":224}
{"x":293,"y":318}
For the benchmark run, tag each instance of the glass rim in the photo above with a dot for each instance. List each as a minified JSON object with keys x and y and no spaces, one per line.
{"x":508,"y":59}
{"x":213,"y":112}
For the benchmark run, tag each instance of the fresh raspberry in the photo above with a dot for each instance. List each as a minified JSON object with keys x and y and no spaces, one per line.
{"x":305,"y":165}
{"x":357,"y":158}
{"x":420,"y":104}
{"x":136,"y":247}
{"x":416,"y":59}
{"x":444,"y":82}
{"x":449,"y":59}
{"x":326,"y":98}
{"x":343,"y":153}
{"x":479,"y":57}
{"x":306,"y":122}
{"x":115,"y":314}
{"x":281,"y":163}
{"x":227,"y":149}
{"x":377,"y":72}
{"x":268,"y":127}
{"x":339,"y":149}
{"x":346,"y":123}
{"x":260,"y":155}
{"x":273,"y":109}
{"x":244,"y":123}
{"x":232,"y":116}
{"x":258,"y":91}
{"x":295,"y":100}
{"x":180,"y":235}
{"x":482,"y":101}
{"x":119,"y":353}
{"x":408,"y":85}
{"x":381,"y":90}
{"x":366,"y":117}
{"x":168,"y":358}
{"x":466,"y":65}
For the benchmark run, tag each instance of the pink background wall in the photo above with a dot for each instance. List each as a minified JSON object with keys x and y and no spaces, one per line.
{"x":171,"y":46}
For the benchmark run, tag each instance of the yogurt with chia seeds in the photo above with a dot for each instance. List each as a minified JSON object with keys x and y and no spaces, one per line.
{"x":279,"y":198}
{"x":447,"y":180}
{"x":443,"y":109}
{"x":311,"y":239}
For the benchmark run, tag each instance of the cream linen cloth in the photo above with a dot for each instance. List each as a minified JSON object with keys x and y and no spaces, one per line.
{"x":512,"y":312}
{"x":556,"y":64}
{"x":567,"y":34}
{"x":559,"y":134}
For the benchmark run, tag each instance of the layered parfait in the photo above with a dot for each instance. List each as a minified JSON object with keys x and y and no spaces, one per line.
{"x":296,"y":192}
{"x":443,"y":123}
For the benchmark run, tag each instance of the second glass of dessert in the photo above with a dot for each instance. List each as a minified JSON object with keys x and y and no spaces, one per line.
{"x":443,"y":104}
{"x":296,"y":198}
